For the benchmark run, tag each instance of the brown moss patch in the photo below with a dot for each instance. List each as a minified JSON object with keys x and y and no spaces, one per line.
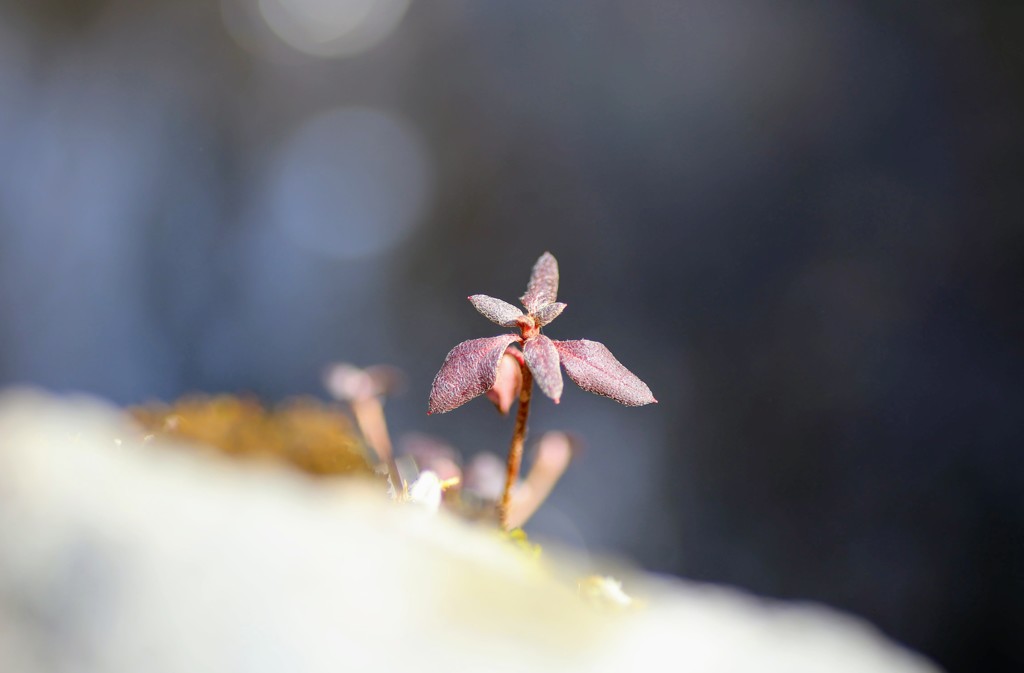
{"x":314,"y":437}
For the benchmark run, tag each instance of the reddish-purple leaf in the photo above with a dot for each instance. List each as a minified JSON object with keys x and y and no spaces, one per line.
{"x":546,"y":314}
{"x":542,"y":359}
{"x":508,"y":383}
{"x":496,"y":310}
{"x":543,"y":286}
{"x":595,"y":369}
{"x":470,"y":369}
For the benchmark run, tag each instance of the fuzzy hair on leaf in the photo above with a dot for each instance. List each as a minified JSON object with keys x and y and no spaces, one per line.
{"x":469,"y":370}
{"x":593,"y":367}
{"x":543,"y":286}
{"x":546,"y":314}
{"x":542,"y":359}
{"x":496,"y":310}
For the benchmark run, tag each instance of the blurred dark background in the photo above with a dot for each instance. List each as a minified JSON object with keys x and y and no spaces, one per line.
{"x":800,"y":223}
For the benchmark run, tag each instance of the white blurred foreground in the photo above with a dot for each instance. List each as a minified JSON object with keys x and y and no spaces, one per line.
{"x":124,"y":557}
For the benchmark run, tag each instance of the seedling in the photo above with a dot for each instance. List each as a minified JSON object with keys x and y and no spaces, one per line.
{"x":364,"y":390}
{"x":472,"y":368}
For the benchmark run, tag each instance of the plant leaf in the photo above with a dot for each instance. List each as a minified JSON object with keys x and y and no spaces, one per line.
{"x":543,"y":286}
{"x":593,"y":367}
{"x":496,"y":310}
{"x":542,"y":358}
{"x":470,"y":369}
{"x":508,"y":383}
{"x":546,"y":314}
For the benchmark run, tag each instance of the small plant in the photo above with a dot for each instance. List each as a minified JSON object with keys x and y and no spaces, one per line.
{"x":472,"y":368}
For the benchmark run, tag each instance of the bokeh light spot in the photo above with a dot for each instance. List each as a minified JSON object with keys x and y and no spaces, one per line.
{"x":351,"y":182}
{"x":330,"y":28}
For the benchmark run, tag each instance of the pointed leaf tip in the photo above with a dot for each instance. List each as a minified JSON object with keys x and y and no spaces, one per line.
{"x":593,"y":367}
{"x":496,"y":310}
{"x":543,"y":286}
{"x":469,"y":370}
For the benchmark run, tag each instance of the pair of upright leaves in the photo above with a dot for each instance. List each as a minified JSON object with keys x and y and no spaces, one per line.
{"x":471,"y":368}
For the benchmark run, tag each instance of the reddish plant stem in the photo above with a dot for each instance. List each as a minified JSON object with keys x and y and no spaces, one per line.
{"x":515,"y":450}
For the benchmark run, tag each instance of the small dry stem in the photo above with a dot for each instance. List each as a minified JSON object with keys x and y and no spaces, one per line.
{"x":369,"y":414}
